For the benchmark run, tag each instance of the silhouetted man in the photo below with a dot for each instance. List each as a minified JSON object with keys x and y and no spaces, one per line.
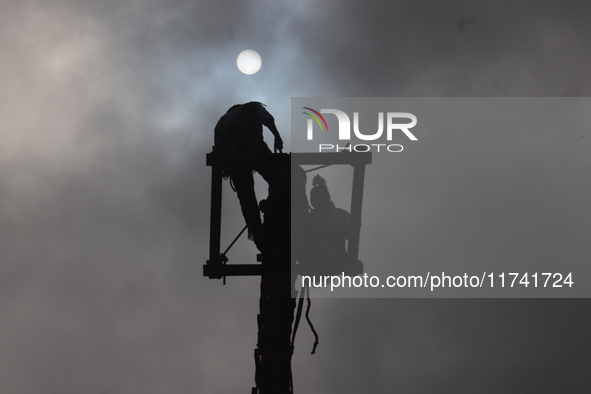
{"x":239,"y":138}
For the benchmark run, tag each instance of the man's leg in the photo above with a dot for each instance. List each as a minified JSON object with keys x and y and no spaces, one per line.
{"x":243,"y":182}
{"x":265,"y":164}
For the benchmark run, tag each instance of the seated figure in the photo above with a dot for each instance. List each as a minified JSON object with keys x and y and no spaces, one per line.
{"x":329,"y":230}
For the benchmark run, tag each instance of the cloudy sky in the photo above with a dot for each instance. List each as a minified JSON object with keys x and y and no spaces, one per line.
{"x":107,"y":110}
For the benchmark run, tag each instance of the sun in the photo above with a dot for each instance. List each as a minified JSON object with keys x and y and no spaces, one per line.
{"x":249,"y":62}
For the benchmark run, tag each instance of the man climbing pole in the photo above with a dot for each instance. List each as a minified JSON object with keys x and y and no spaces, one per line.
{"x":239,"y":138}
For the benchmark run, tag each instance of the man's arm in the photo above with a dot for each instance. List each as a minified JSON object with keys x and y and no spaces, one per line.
{"x":269,"y":121}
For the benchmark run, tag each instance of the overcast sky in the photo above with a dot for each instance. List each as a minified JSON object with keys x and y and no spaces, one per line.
{"x":107,"y":109}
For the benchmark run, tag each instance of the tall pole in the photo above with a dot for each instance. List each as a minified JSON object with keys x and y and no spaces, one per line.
{"x":276,"y":305}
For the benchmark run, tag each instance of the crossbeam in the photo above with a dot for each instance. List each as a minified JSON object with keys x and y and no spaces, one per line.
{"x":218,"y":271}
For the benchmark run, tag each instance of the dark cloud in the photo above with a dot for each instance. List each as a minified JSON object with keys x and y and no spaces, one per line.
{"x":368,"y":49}
{"x":449,"y":346}
{"x":107,"y":112}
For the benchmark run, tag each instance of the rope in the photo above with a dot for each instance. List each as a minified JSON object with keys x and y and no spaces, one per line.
{"x":235,"y":239}
{"x":317,"y":168}
{"x":305,"y":292}
{"x":298,"y":317}
{"x":310,"y":323}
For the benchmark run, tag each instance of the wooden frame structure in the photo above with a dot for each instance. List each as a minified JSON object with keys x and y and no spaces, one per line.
{"x":216,"y":266}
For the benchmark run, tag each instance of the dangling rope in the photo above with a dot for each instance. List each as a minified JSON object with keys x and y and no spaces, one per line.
{"x":310,"y":322}
{"x":298,"y":317}
{"x":304,"y":292}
